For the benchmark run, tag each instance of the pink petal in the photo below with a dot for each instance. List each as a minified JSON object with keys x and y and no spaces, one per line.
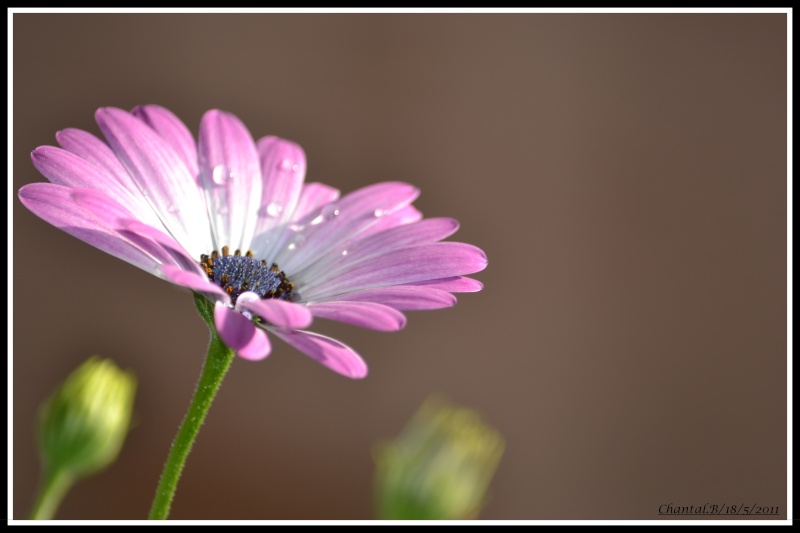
{"x":231,"y":176}
{"x":343,"y":221}
{"x":333,"y":354}
{"x":452,"y":284}
{"x":161,"y":176}
{"x":65,"y":168}
{"x":115,"y":217}
{"x":312,"y":197}
{"x":162,"y":255}
{"x":403,"y":297}
{"x":196,"y":282}
{"x":405,"y":215}
{"x":277,"y":312}
{"x":139,"y":232}
{"x":363,"y":314}
{"x":172,"y":131}
{"x":55,"y":205}
{"x":424,"y":232}
{"x":283,"y":165}
{"x":92,"y":149}
{"x":101,"y":205}
{"x":240,"y":334}
{"x":406,"y":265}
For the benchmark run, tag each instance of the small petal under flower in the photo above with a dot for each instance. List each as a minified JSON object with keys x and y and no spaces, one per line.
{"x":368,"y":315}
{"x":277,"y":312}
{"x":240,"y":334}
{"x":333,"y":354}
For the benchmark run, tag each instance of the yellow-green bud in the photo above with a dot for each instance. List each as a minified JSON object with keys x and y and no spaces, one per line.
{"x":440,"y":466}
{"x":83,"y":424}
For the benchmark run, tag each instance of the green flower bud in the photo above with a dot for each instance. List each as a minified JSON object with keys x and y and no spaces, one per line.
{"x":440,"y":466}
{"x":83,"y":424}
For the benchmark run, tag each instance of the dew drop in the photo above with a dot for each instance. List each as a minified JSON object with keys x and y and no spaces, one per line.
{"x":173,"y":208}
{"x":288,"y":164}
{"x":379,"y":213}
{"x":330,"y":212}
{"x":222,"y":175}
{"x":295,"y":168}
{"x":274,"y":209}
{"x":296,"y":241}
{"x":344,"y":252}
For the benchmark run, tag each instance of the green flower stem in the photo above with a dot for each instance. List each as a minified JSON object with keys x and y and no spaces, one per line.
{"x":53,"y":489}
{"x":216,"y":366}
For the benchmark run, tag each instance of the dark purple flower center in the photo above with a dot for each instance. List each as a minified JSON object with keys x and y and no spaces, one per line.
{"x":239,"y":273}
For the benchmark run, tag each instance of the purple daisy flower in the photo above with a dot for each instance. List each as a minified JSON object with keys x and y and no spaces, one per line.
{"x":232,"y":219}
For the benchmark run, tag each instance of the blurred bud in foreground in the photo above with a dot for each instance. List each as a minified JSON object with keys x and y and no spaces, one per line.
{"x":440,"y":466}
{"x":82,"y":427}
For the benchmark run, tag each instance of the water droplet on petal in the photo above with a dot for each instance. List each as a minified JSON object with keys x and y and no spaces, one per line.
{"x":274,"y":209}
{"x":379,"y":213}
{"x":173,"y":208}
{"x":287,"y":164}
{"x":330,"y":212}
{"x":344,"y":252}
{"x":296,"y":242}
{"x":221,"y":175}
{"x":295,"y":168}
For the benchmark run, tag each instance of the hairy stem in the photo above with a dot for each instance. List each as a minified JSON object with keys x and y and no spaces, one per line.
{"x":217,"y":362}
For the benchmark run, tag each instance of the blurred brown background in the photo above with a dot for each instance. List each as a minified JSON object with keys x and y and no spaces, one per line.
{"x":626,"y":175}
